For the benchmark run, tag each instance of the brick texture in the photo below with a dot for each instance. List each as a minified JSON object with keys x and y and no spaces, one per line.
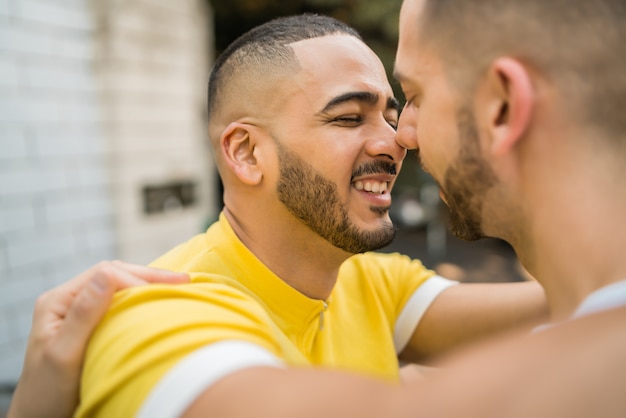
{"x":97,"y":99}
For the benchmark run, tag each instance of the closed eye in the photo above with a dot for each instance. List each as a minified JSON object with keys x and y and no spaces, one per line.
{"x":351,"y":120}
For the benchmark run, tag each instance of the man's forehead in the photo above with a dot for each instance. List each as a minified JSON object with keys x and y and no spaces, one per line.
{"x":414,"y":66}
{"x":326,"y":52}
{"x":410,"y":21}
{"x":410,"y":60}
{"x":412,"y":9}
{"x":336,"y":64}
{"x":334,"y":39}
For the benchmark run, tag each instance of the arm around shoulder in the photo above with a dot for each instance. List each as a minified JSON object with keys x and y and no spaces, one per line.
{"x":293,"y":392}
{"x":470,"y":311}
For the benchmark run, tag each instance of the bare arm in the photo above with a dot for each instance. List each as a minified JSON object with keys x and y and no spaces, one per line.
{"x":63,"y":321}
{"x":461,"y":314}
{"x":303,"y":393}
{"x":468,"y":312}
{"x":573,"y":369}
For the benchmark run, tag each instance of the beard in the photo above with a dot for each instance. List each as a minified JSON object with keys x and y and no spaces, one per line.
{"x":467,"y":181}
{"x":315,"y":201}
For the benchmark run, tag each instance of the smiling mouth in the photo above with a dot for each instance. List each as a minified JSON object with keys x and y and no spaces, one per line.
{"x":376,"y":187}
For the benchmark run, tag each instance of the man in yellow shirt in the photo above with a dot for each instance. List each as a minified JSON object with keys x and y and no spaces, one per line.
{"x":302,"y":122}
{"x":575,"y":368}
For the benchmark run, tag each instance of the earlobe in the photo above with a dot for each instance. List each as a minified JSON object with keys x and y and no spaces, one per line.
{"x":512,"y":112}
{"x":238,"y":147}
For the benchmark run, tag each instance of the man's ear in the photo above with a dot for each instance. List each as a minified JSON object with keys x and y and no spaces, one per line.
{"x":510,"y":103}
{"x":238,"y":145}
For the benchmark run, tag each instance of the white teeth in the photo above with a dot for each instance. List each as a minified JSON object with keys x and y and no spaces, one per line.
{"x":371,"y":186}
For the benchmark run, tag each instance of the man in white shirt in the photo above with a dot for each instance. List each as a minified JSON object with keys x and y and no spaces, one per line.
{"x":517,"y":108}
{"x":521,"y":126}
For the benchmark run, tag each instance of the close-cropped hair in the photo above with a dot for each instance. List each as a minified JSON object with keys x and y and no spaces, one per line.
{"x":578,"y":45}
{"x":266,"y":48}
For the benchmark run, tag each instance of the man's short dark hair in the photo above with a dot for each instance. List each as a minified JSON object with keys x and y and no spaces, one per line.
{"x":266,"y":47}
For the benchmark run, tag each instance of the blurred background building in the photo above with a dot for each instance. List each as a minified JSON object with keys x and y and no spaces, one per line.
{"x":103,"y":150}
{"x":102,"y":142}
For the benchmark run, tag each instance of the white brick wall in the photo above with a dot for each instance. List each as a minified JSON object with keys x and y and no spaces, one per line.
{"x":97,"y":99}
{"x":154,"y":68}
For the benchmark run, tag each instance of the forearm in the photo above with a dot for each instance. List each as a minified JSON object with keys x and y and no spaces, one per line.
{"x":302,"y":393}
{"x":569,"y":370}
{"x":35,"y":397}
{"x":469,"y":312}
{"x":574,"y":367}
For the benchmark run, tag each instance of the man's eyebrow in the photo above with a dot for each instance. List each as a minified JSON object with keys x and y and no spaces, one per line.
{"x":393,"y":103}
{"x":359,"y":96}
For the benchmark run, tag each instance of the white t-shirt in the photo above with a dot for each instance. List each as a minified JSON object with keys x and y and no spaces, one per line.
{"x":605,"y":298}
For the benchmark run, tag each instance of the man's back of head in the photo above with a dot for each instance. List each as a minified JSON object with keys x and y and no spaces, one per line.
{"x":536,"y":91}
{"x":577,"y":45}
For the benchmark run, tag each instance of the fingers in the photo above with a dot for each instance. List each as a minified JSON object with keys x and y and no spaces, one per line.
{"x":63,"y":321}
{"x":152,"y":274}
{"x":55,"y":352}
{"x":121,"y":275}
{"x":83,"y":315}
{"x":71,"y":311}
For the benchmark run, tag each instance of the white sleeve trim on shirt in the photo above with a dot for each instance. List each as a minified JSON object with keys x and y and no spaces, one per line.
{"x":415,"y":308}
{"x":181,"y":385}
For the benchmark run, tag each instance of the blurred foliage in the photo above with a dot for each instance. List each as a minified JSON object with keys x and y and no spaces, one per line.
{"x":376,"y":20}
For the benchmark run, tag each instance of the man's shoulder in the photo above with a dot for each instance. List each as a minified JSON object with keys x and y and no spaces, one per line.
{"x":382,"y":274}
{"x":187,"y":256}
{"x":216,"y":251}
{"x":206,"y":290}
{"x":151,"y":328}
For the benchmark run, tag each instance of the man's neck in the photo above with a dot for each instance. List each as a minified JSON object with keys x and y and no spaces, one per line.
{"x":299,"y":257}
{"x":577,"y":243}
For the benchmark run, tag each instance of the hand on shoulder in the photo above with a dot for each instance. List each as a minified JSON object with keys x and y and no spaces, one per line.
{"x":63,"y":320}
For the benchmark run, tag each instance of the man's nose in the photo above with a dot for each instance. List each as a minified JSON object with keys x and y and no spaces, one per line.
{"x":406,"y":135}
{"x":384,"y":143}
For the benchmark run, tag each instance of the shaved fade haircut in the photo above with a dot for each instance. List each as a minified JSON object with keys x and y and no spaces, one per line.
{"x":264,"y":50}
{"x":578,"y":45}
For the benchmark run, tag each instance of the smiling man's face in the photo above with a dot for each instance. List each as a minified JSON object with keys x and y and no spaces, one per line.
{"x":335,"y":142}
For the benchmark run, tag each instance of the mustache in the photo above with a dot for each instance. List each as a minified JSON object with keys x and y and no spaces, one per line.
{"x":375,"y":167}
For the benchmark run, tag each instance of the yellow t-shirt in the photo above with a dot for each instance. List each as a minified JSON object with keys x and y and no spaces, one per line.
{"x":233,"y":296}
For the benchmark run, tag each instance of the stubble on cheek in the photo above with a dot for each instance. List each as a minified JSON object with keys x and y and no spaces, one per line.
{"x":467,"y":182}
{"x":465,"y":191}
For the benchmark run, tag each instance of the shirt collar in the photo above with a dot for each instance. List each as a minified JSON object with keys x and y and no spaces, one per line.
{"x":607,"y":297}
